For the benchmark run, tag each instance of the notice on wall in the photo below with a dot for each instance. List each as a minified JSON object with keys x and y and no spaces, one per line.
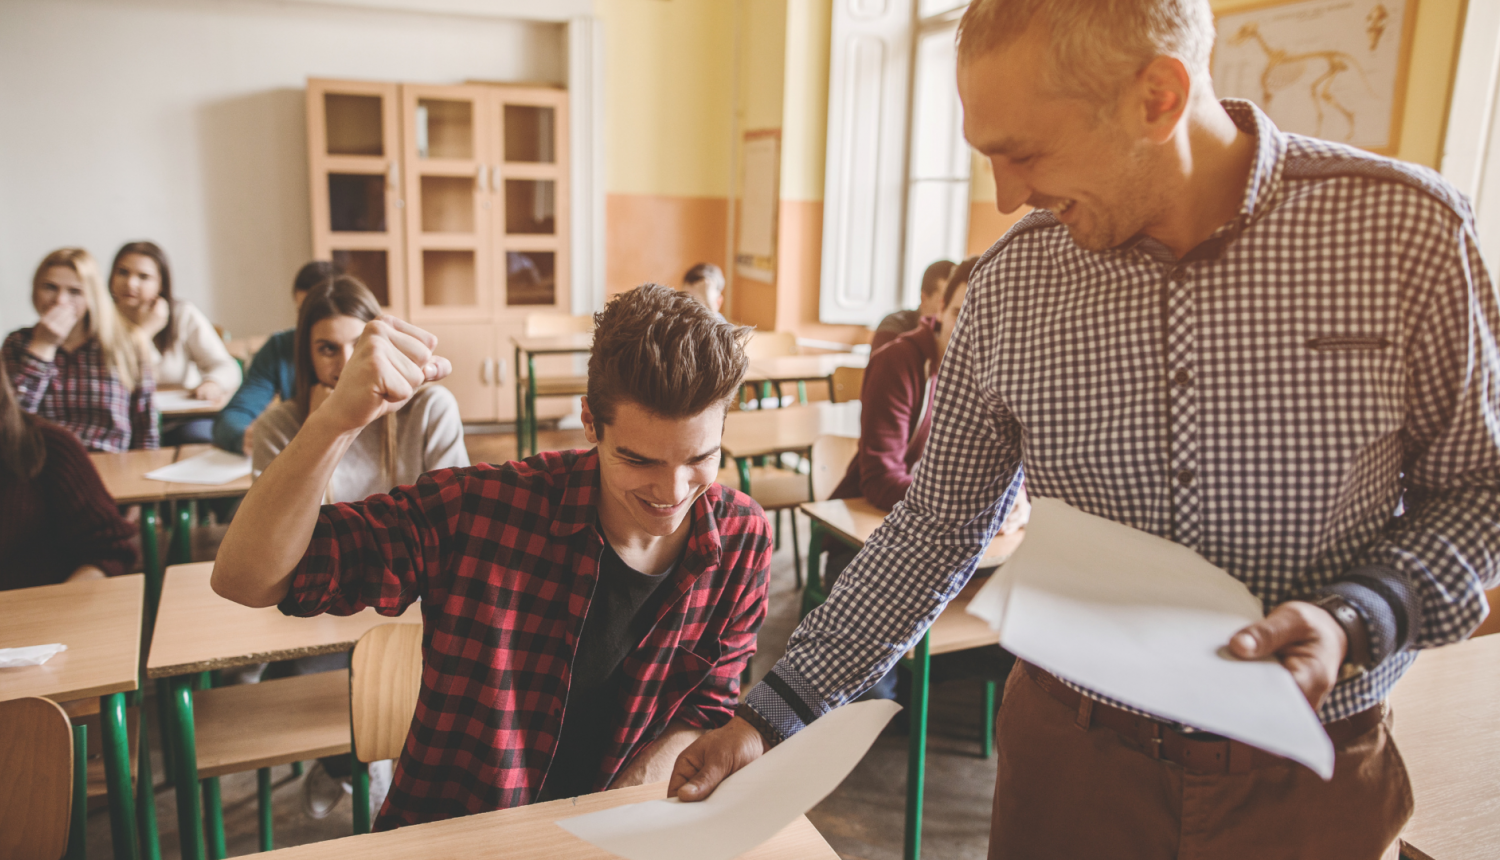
{"x":755,"y":248}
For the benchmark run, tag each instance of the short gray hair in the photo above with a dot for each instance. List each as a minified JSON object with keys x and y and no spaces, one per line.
{"x":1097,"y":46}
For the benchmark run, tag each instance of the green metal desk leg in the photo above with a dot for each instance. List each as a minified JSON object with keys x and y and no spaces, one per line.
{"x":168,"y":749}
{"x":520,"y":410}
{"x":263,"y":797}
{"x":182,"y":535}
{"x":296,"y":768}
{"x":78,"y":824}
{"x":531,"y":420}
{"x":117,"y":776}
{"x":744,"y":467}
{"x":802,"y":391}
{"x":214,"y":807}
{"x":150,"y":558}
{"x":916,"y":759}
{"x":812,"y":593}
{"x":989,"y":719}
{"x":189,"y":809}
{"x":361,"y":774}
{"x":145,"y":793}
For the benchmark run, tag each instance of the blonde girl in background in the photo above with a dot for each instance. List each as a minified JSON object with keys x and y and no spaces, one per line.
{"x":79,"y":366}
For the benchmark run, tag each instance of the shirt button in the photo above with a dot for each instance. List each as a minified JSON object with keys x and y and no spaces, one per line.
{"x":1179,"y":277}
{"x":1182,"y":377}
{"x":1185,"y":477}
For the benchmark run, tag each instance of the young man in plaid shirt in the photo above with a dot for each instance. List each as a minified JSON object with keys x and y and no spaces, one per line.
{"x":587,"y":614}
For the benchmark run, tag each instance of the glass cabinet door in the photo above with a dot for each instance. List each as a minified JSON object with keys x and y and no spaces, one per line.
{"x":450,"y":203}
{"x":531,"y":191}
{"x":355,"y":172}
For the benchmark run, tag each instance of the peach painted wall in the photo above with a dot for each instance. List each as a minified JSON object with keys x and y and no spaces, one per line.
{"x":657,"y":237}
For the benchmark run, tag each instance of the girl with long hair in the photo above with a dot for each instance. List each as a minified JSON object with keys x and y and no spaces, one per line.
{"x":59,"y":524}
{"x":184,"y":349}
{"x":80,"y":366}
{"x":425,"y":434}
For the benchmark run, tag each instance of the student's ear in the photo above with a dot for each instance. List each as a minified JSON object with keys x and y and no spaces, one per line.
{"x":588,"y":421}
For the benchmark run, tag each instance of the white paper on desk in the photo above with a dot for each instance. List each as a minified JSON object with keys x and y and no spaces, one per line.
{"x":210,"y":467}
{"x":750,"y":806}
{"x":177,"y":400}
{"x":1144,"y":621}
{"x":30,"y":655}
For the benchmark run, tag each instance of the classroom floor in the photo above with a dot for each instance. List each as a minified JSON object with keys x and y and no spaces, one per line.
{"x":862,"y":819}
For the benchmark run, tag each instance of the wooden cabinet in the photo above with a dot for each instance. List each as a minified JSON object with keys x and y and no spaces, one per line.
{"x":451,"y":203}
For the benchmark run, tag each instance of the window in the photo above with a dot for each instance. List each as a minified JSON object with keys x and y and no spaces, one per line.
{"x":937,"y":178}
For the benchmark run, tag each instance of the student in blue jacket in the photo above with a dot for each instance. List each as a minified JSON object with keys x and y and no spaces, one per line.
{"x":271,"y":373}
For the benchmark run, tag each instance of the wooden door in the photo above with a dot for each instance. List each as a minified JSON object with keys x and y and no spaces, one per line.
{"x":354,"y":170}
{"x":529,"y":183}
{"x":446,"y":138}
{"x":471,"y":347}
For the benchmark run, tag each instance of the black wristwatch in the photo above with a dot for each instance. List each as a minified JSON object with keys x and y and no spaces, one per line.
{"x":1358,"y":657}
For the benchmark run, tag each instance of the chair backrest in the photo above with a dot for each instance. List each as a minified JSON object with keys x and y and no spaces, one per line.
{"x":385,"y":675}
{"x":831,"y":456}
{"x":771,"y":344}
{"x":36,"y":791}
{"x":847,"y":381}
{"x":1492,"y":623}
{"x":546,"y":325}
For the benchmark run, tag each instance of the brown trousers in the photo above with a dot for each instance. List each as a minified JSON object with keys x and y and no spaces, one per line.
{"x":1077,"y":794}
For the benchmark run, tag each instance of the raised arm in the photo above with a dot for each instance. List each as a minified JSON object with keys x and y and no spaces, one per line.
{"x":274,"y":524}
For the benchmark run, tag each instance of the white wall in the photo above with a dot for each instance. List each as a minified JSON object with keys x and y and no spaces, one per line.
{"x":182,"y":121}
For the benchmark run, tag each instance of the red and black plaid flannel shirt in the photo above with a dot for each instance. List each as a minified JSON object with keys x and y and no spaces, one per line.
{"x":505,"y":560}
{"x":77,"y":391}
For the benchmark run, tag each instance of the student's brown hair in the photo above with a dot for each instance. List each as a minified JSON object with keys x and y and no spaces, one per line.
{"x":664,"y":351}
{"x":960,"y":276}
{"x":341,"y":295}
{"x":23,"y":451}
{"x":168,"y":334}
{"x":935,"y":276}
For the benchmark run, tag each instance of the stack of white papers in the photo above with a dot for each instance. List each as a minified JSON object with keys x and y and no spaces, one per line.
{"x":29,"y":655}
{"x":1146,"y":622}
{"x":210,"y":467}
{"x":750,"y":806}
{"x":178,"y":400}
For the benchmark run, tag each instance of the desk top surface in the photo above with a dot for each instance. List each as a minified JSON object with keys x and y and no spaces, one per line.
{"x":529,"y":833}
{"x":197,"y":630}
{"x":100,"y":622}
{"x":179,"y":402}
{"x":1445,"y":724}
{"x":792,"y":368}
{"x":759,"y":432}
{"x":554,"y":343}
{"x":124,"y":476}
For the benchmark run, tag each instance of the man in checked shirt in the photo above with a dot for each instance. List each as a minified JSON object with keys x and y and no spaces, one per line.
{"x":1277,"y":351}
{"x":586,"y":614}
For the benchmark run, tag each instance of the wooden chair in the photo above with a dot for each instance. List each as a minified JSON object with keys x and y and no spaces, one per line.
{"x":773,"y":344}
{"x":258,"y":726}
{"x":43,"y":793}
{"x":777,"y":490}
{"x":536,"y":385}
{"x":385,"y":676}
{"x":1492,"y":621}
{"x":846,"y":383}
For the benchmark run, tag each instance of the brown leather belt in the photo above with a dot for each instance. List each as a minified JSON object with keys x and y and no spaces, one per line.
{"x":1157,"y":739}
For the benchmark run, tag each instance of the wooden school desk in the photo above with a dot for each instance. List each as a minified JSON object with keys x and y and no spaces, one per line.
{"x":199,"y":631}
{"x":1445,"y":715}
{"x":578,"y":343}
{"x":765,"y":432}
{"x":124,"y":477}
{"x":100,"y":622}
{"x":529,"y":833}
{"x":853,"y":521}
{"x":802,"y":369}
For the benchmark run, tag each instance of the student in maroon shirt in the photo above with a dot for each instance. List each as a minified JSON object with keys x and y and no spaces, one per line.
{"x":895,"y":418}
{"x":58,"y":524}
{"x":587,"y":614}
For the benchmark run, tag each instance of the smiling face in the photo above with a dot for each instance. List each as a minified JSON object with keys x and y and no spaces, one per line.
{"x":60,"y":285}
{"x":1092,"y":169}
{"x":136,"y":282}
{"x":652,"y":469}
{"x":332,"y":344}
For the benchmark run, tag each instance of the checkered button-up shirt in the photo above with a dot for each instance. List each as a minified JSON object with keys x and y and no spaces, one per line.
{"x":76,"y":390}
{"x":1271,"y":400}
{"x":504,"y":561}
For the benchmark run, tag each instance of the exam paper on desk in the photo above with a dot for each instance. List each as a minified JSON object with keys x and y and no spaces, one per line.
{"x":748,"y":807}
{"x":211,"y":467}
{"x":1146,"y":621}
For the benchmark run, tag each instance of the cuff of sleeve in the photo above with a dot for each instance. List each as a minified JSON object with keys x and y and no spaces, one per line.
{"x":1386,"y":602}
{"x":784,"y":703}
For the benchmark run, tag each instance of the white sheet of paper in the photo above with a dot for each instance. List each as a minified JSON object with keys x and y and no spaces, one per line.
{"x":1144,"y":621}
{"x":178,"y":400}
{"x":750,"y":806}
{"x":210,"y":467}
{"x":29,"y":655}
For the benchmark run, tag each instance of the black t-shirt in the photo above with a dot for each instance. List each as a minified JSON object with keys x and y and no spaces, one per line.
{"x":620,"y":615}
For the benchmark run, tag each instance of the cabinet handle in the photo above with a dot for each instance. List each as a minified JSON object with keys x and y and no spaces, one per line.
{"x":393,"y":177}
{"x":483,"y":182}
{"x":484,"y":371}
{"x":495,"y":179}
{"x":499,"y":371}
